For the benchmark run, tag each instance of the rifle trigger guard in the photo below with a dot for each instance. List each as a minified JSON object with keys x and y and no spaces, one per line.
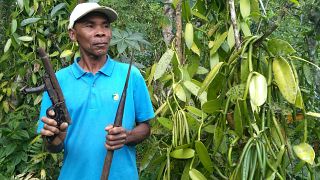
{"x":55,"y":113}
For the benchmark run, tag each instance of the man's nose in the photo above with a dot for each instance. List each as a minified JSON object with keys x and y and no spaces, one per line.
{"x":101,"y":31}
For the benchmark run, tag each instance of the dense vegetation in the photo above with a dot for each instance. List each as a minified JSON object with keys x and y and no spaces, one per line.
{"x":229,"y":105}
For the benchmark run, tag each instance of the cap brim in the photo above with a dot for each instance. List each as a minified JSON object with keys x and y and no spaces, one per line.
{"x":110,"y":13}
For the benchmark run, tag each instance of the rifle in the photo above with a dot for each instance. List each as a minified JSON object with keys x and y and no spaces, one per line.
{"x":52,"y":86}
{"x":117,"y":123}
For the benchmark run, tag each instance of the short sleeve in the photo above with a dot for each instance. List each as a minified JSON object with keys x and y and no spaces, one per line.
{"x":143,"y":106}
{"x":45,"y":104}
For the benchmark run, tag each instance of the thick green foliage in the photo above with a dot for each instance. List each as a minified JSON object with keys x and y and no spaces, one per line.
{"x":27,"y":25}
{"x":237,"y":102}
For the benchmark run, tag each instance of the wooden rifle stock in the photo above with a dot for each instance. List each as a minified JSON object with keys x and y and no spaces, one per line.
{"x":55,"y":94}
{"x":117,"y":123}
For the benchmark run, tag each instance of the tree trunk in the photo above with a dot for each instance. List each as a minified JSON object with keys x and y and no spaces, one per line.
{"x":179,"y":32}
{"x":167,"y":30}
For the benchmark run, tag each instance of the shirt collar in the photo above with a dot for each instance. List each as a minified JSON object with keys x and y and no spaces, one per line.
{"x":106,"y":69}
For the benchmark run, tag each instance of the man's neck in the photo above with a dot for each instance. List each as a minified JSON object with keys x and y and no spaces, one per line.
{"x":92,"y":64}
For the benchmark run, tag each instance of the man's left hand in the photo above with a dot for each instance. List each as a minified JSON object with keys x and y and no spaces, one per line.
{"x":116,"y":137}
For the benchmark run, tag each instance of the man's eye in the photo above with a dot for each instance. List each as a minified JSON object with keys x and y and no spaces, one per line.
{"x":89,"y":25}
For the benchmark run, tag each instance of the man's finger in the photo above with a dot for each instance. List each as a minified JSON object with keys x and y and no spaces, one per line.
{"x":49,"y":121}
{"x":63,"y":126}
{"x":53,"y":129}
{"x":44,"y":132}
{"x":116,"y":130}
{"x":116,"y":137}
{"x":113,"y":147}
{"x":108,"y":127}
{"x":51,"y":113}
{"x":117,"y":142}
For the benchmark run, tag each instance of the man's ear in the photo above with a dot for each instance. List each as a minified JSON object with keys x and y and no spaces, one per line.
{"x":72,"y":35}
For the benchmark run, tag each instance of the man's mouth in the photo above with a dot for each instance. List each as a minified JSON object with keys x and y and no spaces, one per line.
{"x":100,"y":44}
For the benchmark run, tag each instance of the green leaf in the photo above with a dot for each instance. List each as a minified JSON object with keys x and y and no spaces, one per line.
{"x":23,"y":134}
{"x":313,"y":114}
{"x":196,"y":175}
{"x":29,"y":21}
{"x":37,"y":100}
{"x":66,"y":53}
{"x":245,"y":8}
{"x":195,"y":13}
{"x":182,"y":153}
{"x":186,"y":10}
{"x":9,"y":149}
{"x":204,"y":156}
{"x":238,"y":120}
{"x":185,"y":172}
{"x":209,"y":128}
{"x":218,"y":137}
{"x":194,"y":89}
{"x":193,"y":65}
{"x":255,"y":10}
{"x":218,"y":42}
{"x":195,"y":49}
{"x":25,"y":38}
{"x":296,"y":2}
{"x":258,"y":89}
{"x":195,"y":111}
{"x":133,"y":44}
{"x":148,"y":156}
{"x":212,"y":74}
{"x":163,"y":63}
{"x":20,"y":3}
{"x":305,"y":152}
{"x":188,"y":35}
{"x":57,"y":8}
{"x":165,"y":122}
{"x":308,"y":74}
{"x":34,"y":79}
{"x":285,"y":79}
{"x":5,"y":106}
{"x":180,"y":93}
{"x":244,"y":69}
{"x":56,"y":53}
{"x":245,"y":29}
{"x":212,"y":106}
{"x":122,"y":46}
{"x":231,"y":39}
{"x":214,"y":60}
{"x":7,"y":46}
{"x":299,"y":100}
{"x":280,"y":47}
{"x":175,"y":3}
{"x":13,"y":26}
{"x":202,"y":70}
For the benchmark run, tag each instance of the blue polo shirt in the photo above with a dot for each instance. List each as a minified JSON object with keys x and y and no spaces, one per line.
{"x":92,"y":102}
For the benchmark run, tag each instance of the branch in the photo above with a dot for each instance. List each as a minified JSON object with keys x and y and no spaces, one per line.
{"x":234,"y":24}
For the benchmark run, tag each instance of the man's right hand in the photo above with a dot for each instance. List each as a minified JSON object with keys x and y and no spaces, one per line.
{"x":50,"y":128}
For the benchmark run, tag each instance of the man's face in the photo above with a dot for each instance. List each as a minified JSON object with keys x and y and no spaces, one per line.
{"x":93,"y":34}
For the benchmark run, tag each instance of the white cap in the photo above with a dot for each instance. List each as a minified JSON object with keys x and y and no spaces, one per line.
{"x":84,"y":8}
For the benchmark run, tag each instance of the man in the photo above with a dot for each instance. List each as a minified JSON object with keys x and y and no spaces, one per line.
{"x":91,"y":87}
